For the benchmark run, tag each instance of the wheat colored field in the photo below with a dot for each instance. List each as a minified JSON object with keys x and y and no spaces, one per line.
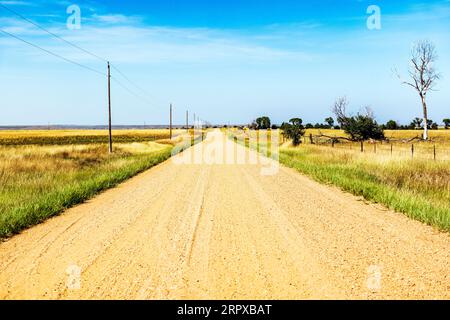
{"x":62,"y":137}
{"x":43,"y":173}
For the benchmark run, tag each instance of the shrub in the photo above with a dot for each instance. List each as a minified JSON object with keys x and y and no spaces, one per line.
{"x":294,"y":130}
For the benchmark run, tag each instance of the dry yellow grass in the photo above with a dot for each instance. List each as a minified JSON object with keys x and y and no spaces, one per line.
{"x":397,"y":147}
{"x":40,"y":181}
{"x":44,"y":172}
{"x":436,"y":135}
{"x":82,"y":132}
{"x":62,"y":137}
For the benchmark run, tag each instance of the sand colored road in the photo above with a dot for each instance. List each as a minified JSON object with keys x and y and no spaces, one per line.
{"x":225,"y":231}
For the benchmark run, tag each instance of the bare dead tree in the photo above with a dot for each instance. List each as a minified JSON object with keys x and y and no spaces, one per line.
{"x":423,"y":75}
{"x":368,"y":111}
{"x":340,"y":109}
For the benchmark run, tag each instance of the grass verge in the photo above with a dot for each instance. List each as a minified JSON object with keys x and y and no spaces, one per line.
{"x":385,"y":185}
{"x":40,"y":182}
{"x":418,"y":188}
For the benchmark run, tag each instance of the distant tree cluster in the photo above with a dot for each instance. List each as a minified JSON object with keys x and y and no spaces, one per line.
{"x":416,"y":124}
{"x":446,"y":123}
{"x":328,"y":124}
{"x":262,"y":123}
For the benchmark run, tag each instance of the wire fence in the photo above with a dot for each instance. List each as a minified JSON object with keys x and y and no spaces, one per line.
{"x":436,"y":151}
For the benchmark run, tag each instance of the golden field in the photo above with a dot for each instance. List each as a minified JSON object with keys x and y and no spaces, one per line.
{"x":62,"y":137}
{"x":39,"y":179}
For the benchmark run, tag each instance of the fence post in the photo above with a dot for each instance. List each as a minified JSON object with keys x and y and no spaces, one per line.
{"x":362,"y":146}
{"x":434,"y":152}
{"x":412,"y":151}
{"x":311,"y":138}
{"x":392,"y":149}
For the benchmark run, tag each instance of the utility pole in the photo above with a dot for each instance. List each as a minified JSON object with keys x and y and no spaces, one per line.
{"x":170,"y":122}
{"x":187,"y":120}
{"x":109,"y":109}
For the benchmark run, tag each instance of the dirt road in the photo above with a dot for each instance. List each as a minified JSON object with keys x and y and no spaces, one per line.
{"x":225,"y":231}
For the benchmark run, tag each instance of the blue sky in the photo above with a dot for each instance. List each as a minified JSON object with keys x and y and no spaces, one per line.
{"x":227,"y":61}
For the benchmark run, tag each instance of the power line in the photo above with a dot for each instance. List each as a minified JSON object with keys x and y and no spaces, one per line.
{"x":52,"y":53}
{"x":74,"y":62}
{"x":77,"y":47}
{"x":77,"y":64}
{"x":135,"y":85}
{"x":51,"y":33}
{"x":131,"y":91}
{"x":128,"y":79}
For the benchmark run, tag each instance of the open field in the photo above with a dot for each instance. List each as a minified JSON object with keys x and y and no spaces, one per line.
{"x":418,"y":187}
{"x":39,"y":181}
{"x":399,"y":144}
{"x":64,"y":137}
{"x":442,"y":136}
{"x":186,"y":230}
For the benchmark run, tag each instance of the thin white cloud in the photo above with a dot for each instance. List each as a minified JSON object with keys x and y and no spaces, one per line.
{"x":17,"y":3}
{"x":124,"y":39}
{"x":115,"y":19}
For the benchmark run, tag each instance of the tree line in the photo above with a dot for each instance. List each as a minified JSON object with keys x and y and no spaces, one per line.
{"x":265,"y":123}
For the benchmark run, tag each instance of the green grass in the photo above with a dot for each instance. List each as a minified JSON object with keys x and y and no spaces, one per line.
{"x":383,"y":185}
{"x":37,"y":182}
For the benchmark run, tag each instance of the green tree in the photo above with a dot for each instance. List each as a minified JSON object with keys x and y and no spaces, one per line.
{"x":417,"y":123}
{"x":330,"y":122}
{"x":360,"y":127}
{"x":263,"y":123}
{"x":294,"y":130}
{"x":446,"y":123}
{"x":391,"y":125}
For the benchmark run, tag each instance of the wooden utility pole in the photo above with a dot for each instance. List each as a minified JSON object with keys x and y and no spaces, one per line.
{"x":170,"y":122}
{"x":109,"y":109}
{"x":187,"y":120}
